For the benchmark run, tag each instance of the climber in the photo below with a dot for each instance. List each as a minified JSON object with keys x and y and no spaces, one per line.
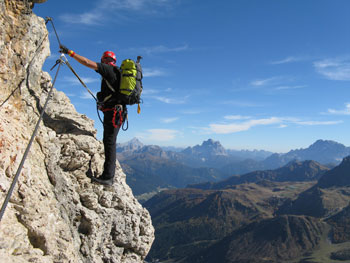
{"x":113,"y":109}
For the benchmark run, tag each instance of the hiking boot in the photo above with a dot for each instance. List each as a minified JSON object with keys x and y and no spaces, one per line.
{"x":102,"y":181}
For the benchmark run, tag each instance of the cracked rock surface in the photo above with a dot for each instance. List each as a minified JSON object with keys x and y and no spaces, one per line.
{"x":55,"y":213}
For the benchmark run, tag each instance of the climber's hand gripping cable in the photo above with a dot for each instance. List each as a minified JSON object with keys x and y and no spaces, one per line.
{"x":64,"y":49}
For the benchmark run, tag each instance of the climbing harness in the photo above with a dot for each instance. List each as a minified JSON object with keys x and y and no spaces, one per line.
{"x":59,"y":62}
{"x":116,"y":109}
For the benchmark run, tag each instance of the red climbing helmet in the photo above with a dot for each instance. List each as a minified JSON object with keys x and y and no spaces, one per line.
{"x":109,"y":54}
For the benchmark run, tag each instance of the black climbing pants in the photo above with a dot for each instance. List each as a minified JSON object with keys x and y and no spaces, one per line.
{"x":110,"y":144}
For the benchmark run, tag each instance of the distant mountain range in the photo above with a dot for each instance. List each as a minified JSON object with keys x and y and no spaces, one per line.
{"x":209,"y":154}
{"x":292,"y":172}
{"x":212,"y":154}
{"x":281,"y":215}
{"x":150,"y":168}
{"x":322,"y":151}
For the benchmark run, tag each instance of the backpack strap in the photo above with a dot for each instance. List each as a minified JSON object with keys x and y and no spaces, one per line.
{"x":109,"y":96}
{"x":109,"y":85}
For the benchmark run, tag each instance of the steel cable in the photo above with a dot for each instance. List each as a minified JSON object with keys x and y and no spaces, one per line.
{"x":15,"y":179}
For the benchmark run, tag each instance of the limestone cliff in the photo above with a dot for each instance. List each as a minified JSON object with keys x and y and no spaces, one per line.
{"x":56,"y":214}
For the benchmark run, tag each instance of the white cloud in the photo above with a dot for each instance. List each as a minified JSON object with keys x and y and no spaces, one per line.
{"x":85,"y":95}
{"x":75,"y":81}
{"x":170,"y":100}
{"x":147,"y":72}
{"x":243,"y":104}
{"x":236,"y":117}
{"x":289,"y":59}
{"x":264,"y":82}
{"x":192,"y":112}
{"x":162,"y":135}
{"x":70,"y":94}
{"x":345,"y":111}
{"x":164,"y":95}
{"x":289,"y":87}
{"x":135,"y":5}
{"x":298,"y":121}
{"x":89,"y":18}
{"x":282,"y":122}
{"x":313,"y":123}
{"x":126,"y":4}
{"x":334,"y":69}
{"x":169,"y":120}
{"x":243,"y":126}
{"x":116,"y":9}
{"x":159,"y":49}
{"x":53,"y":57}
{"x":276,"y":83}
{"x":163,"y":49}
{"x":149,"y":91}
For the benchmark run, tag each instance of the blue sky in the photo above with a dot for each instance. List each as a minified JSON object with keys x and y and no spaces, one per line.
{"x":252,"y":74}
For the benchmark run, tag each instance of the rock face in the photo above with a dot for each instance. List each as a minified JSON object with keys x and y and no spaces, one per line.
{"x":55,"y":213}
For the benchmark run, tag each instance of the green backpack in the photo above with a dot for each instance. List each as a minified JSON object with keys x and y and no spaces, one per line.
{"x":131,"y":81}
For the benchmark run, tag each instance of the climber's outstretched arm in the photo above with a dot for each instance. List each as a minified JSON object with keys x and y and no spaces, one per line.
{"x":82,"y":60}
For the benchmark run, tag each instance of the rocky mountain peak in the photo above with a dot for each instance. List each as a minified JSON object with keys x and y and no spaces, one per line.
{"x":325,"y":145}
{"x":322,"y":151}
{"x":132,"y":145}
{"x":135,"y":141}
{"x":210,"y":143}
{"x":207,"y":148}
{"x":55,"y":213}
